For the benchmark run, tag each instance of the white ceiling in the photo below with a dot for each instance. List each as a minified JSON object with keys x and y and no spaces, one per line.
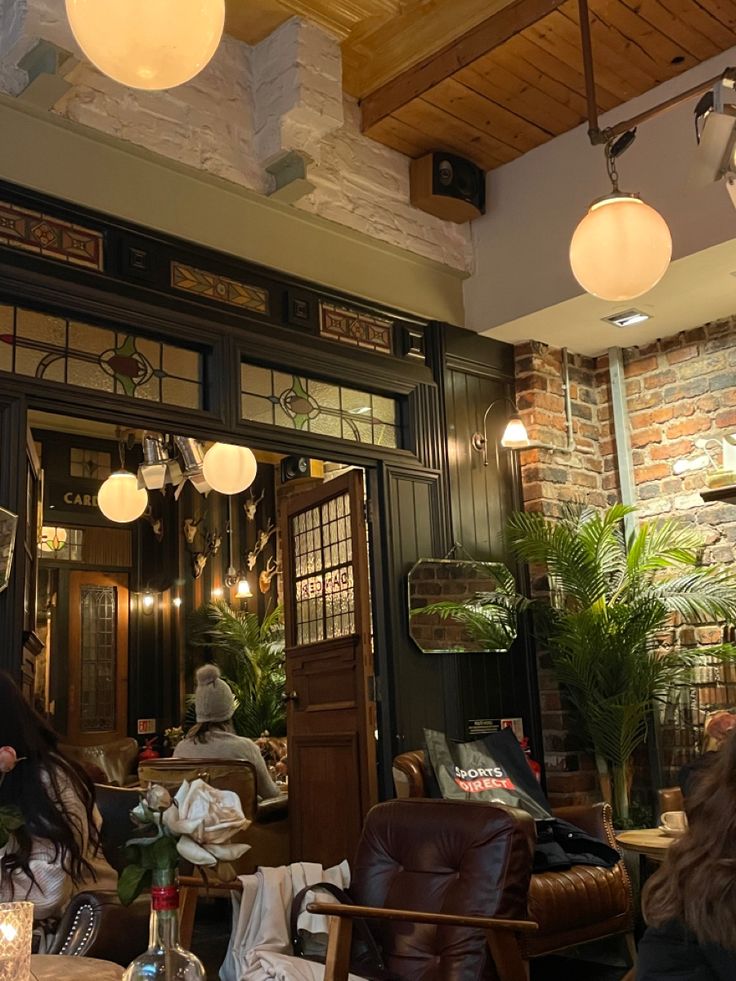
{"x":695,"y":290}
{"x":523,"y":289}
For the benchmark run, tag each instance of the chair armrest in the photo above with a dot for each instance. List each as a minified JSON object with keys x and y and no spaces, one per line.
{"x":414,"y":916}
{"x":96,"y":924}
{"x":595,"y":819}
{"x":273,"y":809}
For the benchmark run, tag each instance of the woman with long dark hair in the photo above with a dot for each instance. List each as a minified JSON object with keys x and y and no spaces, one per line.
{"x":53,"y":853}
{"x":689,"y":904}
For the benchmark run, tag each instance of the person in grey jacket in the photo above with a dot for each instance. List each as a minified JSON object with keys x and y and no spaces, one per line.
{"x":213,"y":736}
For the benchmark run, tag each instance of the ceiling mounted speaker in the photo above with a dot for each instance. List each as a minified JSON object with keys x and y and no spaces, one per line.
{"x":448,"y":187}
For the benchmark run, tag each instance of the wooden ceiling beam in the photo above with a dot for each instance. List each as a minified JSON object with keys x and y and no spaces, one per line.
{"x":490,"y":33}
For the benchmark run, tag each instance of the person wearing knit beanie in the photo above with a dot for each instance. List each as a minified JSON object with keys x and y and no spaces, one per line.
{"x":213,"y":699}
{"x":213,"y":736}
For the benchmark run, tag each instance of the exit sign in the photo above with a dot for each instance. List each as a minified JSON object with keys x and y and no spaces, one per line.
{"x":146,"y":727}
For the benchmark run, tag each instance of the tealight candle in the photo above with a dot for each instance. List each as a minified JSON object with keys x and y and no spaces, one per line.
{"x":16,"y":933}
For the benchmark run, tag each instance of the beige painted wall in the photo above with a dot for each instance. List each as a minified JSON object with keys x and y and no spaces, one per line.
{"x":71,"y":162}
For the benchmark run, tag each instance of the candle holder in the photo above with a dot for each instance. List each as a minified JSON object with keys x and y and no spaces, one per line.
{"x":16,"y":934}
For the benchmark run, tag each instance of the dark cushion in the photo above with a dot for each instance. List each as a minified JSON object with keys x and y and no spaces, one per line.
{"x":115,"y":805}
{"x":443,"y":857}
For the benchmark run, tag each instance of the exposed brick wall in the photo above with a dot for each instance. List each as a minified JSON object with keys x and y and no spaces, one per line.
{"x":678,"y":390}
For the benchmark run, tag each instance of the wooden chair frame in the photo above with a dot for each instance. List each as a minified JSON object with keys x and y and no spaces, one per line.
{"x":501,"y":935}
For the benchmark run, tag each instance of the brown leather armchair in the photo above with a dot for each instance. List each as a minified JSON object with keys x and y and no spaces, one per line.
{"x":579,"y":905}
{"x":267,"y":835}
{"x":444,"y":884}
{"x":115,"y":759}
{"x":96,"y":924}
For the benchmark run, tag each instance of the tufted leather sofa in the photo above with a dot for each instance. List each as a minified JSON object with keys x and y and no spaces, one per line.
{"x":573,"y":907}
{"x":116,"y":760}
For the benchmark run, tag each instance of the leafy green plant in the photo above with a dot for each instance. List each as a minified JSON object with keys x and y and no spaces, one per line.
{"x":250,"y":654}
{"x":609,"y":599}
{"x":490,"y":618}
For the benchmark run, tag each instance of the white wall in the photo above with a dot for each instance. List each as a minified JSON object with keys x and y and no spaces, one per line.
{"x":218,"y":123}
{"x":534,"y":203}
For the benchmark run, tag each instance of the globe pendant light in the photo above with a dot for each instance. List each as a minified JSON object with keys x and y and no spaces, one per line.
{"x":148,"y":44}
{"x":229,"y":469}
{"x":121,"y":499}
{"x":622,"y":247}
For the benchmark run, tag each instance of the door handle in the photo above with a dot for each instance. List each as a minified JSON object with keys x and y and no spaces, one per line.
{"x":290,"y":696}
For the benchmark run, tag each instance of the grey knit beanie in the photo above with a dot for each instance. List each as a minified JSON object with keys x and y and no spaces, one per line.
{"x":213,"y":699}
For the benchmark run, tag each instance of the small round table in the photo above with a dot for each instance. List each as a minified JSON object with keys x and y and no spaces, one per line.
{"x":55,"y":967}
{"x":647,"y":841}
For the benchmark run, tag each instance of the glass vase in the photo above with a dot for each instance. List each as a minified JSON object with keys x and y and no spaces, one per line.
{"x":165,"y":959}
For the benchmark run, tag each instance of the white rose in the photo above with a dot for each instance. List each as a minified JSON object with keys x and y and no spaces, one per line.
{"x":158,"y":798}
{"x":205,"y":819}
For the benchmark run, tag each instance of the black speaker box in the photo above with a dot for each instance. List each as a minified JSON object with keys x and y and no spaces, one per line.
{"x":448,"y":186}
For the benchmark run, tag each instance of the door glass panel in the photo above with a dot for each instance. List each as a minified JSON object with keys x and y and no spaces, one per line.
{"x":323,"y":572}
{"x":99,"y":657}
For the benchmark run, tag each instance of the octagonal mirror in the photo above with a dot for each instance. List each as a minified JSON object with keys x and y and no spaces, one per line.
{"x":462,"y":606}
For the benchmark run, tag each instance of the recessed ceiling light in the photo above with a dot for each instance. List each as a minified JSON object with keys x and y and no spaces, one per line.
{"x":627,"y":318}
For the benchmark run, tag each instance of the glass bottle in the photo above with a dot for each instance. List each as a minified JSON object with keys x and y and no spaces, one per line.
{"x":165,"y":959}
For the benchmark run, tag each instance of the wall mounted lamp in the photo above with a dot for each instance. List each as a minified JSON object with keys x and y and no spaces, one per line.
{"x":515,"y":436}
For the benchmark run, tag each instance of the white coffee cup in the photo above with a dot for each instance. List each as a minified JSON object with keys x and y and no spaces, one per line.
{"x":674,"y":820}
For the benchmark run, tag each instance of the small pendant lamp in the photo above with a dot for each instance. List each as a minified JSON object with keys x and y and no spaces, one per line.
{"x":622,"y":247}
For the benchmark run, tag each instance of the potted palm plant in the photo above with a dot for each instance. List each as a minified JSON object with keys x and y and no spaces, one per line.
{"x":609,"y":598}
{"x":250,"y":654}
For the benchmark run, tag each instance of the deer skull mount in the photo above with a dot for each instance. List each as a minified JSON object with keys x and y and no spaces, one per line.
{"x":263,"y":539}
{"x":251,"y":505}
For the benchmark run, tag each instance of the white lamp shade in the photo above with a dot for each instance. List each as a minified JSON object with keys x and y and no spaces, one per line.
{"x":243,"y":589}
{"x":621,"y":248}
{"x":515,"y":436}
{"x":229,"y":469}
{"x":16,"y":934}
{"x":148,"y":44}
{"x":121,"y":499}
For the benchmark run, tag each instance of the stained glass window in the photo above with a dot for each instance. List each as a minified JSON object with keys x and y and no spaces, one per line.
{"x":323,"y":572}
{"x":299,"y":402}
{"x":99,"y":657}
{"x":91,"y":464}
{"x":61,"y":544}
{"x":41,"y":345}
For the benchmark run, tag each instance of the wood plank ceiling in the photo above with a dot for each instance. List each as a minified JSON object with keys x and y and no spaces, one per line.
{"x":492,"y":79}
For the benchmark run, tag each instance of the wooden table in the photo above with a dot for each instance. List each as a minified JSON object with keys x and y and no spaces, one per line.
{"x":54,"y":967}
{"x":648,"y":841}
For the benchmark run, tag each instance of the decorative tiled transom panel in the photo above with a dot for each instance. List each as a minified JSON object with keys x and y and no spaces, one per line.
{"x":41,"y":345}
{"x":50,"y":237}
{"x":355,"y":327}
{"x":212,"y":286}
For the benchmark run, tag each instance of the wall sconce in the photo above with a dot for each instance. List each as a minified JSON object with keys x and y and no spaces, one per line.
{"x":243,"y":590}
{"x":148,"y":601}
{"x":16,"y":931}
{"x":515,"y":436}
{"x":177,"y":601}
{"x":217,"y":593}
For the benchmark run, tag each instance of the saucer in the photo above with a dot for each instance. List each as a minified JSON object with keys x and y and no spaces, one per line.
{"x":671,"y":832}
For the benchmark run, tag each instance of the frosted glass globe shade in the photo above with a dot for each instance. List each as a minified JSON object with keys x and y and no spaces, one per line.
{"x":148,"y":44}
{"x":515,"y":436}
{"x":121,"y":499}
{"x":229,"y":469}
{"x":621,"y":248}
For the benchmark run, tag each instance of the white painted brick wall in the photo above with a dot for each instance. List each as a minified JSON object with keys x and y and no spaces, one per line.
{"x":248,"y":106}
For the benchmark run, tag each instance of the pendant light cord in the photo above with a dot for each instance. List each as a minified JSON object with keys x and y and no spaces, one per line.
{"x":611,"y":166}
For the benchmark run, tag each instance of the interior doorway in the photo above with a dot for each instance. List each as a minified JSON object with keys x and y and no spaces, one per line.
{"x":128,"y":611}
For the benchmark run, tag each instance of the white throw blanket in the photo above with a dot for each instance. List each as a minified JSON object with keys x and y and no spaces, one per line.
{"x":260,"y":942}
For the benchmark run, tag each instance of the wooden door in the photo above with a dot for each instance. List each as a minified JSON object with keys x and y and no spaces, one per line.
{"x":329,"y":669}
{"x":98,"y":657}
